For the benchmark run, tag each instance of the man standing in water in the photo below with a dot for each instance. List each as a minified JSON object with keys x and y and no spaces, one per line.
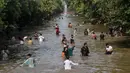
{"x":102,"y":36}
{"x":68,"y":63}
{"x":85,"y":50}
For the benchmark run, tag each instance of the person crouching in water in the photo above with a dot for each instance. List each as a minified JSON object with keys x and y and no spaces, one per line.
{"x":109,"y":49}
{"x":85,"y":50}
{"x":94,"y":36}
{"x":70,"y":25}
{"x":68,"y":64}
{"x":57,"y":29}
{"x":29,"y":62}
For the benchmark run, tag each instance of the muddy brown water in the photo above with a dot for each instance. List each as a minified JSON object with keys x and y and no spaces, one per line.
{"x":49,"y":54}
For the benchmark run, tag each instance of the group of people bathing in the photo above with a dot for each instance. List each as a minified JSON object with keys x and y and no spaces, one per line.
{"x":29,"y":40}
{"x":68,"y":50}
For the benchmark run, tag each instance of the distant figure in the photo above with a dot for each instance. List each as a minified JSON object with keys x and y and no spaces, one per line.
{"x":72,"y":40}
{"x":85,"y":50}
{"x":88,"y":31}
{"x":41,"y":38}
{"x":63,"y":55}
{"x":75,"y":31}
{"x":66,"y":51}
{"x":70,"y":25}
{"x":70,"y":51}
{"x":4,"y":55}
{"x":102,"y":36}
{"x":63,"y":40}
{"x":25,"y":38}
{"x":30,"y":42}
{"x":36,"y":36}
{"x":68,"y":63}
{"x":94,"y":36}
{"x":85,"y":32}
{"x":109,"y":49}
{"x":13,"y":38}
{"x":57,"y":29}
{"x":29,"y":62}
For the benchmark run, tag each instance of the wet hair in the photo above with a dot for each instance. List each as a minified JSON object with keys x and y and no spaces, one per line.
{"x":30,"y":39}
{"x":63,"y":35}
{"x":85,"y":43}
{"x":71,"y":35}
{"x":107,"y":44}
{"x":29,"y":55}
{"x":40,"y":34}
{"x":67,"y":57}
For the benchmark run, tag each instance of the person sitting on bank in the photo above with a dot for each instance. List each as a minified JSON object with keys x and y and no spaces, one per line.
{"x":68,"y":64}
{"x":29,"y":62}
{"x":109,"y":49}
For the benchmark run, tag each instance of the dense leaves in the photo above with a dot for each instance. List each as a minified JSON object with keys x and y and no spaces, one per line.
{"x":21,"y":13}
{"x":111,"y":12}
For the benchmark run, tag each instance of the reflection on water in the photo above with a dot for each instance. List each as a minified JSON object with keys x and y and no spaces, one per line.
{"x":49,"y":54}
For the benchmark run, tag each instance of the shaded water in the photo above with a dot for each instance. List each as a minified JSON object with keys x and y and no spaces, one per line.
{"x":49,"y":54}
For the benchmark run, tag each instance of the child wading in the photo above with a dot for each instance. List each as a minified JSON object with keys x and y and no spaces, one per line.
{"x":29,"y":62}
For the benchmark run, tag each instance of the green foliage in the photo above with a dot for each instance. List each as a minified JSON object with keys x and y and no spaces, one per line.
{"x":23,"y":12}
{"x":113,"y":12}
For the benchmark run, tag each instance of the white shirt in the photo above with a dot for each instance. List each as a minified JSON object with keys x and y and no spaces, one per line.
{"x":68,"y":63}
{"x":109,"y":48}
{"x":41,"y":38}
{"x":21,"y":42}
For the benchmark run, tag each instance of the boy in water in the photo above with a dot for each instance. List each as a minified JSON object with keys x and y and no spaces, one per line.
{"x":68,"y":63}
{"x":29,"y":61}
